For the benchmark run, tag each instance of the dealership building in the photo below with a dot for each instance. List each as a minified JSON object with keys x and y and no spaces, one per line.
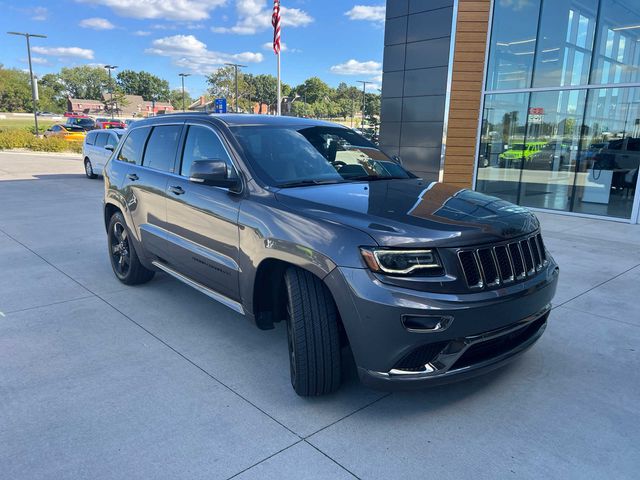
{"x":533,"y":101}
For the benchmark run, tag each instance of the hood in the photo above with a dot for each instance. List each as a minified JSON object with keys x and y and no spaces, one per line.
{"x":413,"y":212}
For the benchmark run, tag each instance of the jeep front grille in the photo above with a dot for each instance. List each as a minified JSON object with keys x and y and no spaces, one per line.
{"x":504,"y":263}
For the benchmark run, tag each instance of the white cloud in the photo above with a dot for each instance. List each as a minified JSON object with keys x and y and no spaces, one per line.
{"x":39,"y":13}
{"x":255,"y":16}
{"x":141,"y":33}
{"x":37,"y":60}
{"x":186,"y":51}
{"x":64,"y":52}
{"x":354,"y":67}
{"x":97,"y":23}
{"x":370,"y":13}
{"x":185,"y":10}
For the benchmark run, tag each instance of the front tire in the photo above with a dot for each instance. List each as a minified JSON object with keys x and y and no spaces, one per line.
{"x":124,"y":259}
{"x":88,"y":169}
{"x":313,"y":335}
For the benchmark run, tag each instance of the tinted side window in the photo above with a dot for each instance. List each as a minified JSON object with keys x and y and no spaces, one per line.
{"x":101,"y":140}
{"x":90,"y":139}
{"x":161,"y":147}
{"x":202,"y":144}
{"x":133,"y":146}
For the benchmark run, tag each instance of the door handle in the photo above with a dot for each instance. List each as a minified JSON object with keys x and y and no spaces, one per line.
{"x":176,"y":190}
{"x":133,"y":177}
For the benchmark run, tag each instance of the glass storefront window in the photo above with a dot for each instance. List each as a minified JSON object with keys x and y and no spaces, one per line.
{"x":617,"y":58}
{"x":610,"y":153}
{"x":563,"y":53}
{"x":568,"y":138}
{"x":553,"y":126}
{"x":503,"y":146}
{"x":513,"y":42}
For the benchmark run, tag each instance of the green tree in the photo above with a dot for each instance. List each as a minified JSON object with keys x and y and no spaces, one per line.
{"x":222,"y":85}
{"x":372,"y":108}
{"x":299,"y":109}
{"x":53,"y":97}
{"x":144,"y":84}
{"x":266,"y":90}
{"x":84,"y":82}
{"x":313,"y":89}
{"x":344,"y":91}
{"x":175,"y":97}
{"x":15,"y":91}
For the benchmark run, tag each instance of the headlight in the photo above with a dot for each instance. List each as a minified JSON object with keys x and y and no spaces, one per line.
{"x":400,"y":262}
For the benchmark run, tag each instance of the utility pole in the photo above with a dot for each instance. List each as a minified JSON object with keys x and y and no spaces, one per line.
{"x":111,"y":67}
{"x":364,"y":99}
{"x":235,"y":68}
{"x":182,"y":75}
{"x":34,"y":87}
{"x":353,"y":108}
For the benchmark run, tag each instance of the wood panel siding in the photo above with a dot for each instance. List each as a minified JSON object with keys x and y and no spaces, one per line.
{"x":466,"y":85}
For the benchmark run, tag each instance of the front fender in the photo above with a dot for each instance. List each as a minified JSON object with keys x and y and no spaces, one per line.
{"x":270,"y":231}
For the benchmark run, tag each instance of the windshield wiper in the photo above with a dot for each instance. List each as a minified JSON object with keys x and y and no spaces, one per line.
{"x":308,"y":182}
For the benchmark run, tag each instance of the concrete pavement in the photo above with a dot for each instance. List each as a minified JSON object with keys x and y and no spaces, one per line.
{"x":100,"y":380}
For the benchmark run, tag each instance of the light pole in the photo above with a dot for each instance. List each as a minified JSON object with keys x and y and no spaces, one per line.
{"x":364,"y":99}
{"x":111,"y":67}
{"x":235,"y":68}
{"x":34,"y":88}
{"x":182,"y":75}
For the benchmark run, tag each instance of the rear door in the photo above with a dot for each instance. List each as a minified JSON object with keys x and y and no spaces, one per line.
{"x":98,"y":152}
{"x":202,"y":220}
{"x":149,"y":154}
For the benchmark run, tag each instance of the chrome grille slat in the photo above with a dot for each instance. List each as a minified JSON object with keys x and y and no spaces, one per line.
{"x":488,"y":267}
{"x":528,"y":257}
{"x":493,"y":265}
{"x":543,"y":252}
{"x":535,"y":251}
{"x":504,"y":262}
{"x":518,"y":260}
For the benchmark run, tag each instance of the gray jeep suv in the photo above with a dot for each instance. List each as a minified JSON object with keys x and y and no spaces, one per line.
{"x":307,"y":222}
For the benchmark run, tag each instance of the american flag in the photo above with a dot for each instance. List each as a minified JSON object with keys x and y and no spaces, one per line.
{"x":275,"y":21}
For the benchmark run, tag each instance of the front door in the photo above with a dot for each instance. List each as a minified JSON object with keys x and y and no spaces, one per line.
{"x":202,"y":221}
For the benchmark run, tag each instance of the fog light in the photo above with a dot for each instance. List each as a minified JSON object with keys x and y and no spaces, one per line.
{"x":426,"y":323}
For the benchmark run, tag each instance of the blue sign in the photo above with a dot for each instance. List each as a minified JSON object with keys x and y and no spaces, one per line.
{"x":220,"y":105}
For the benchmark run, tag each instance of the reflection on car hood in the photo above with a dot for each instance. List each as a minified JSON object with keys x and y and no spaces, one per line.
{"x":413,"y":212}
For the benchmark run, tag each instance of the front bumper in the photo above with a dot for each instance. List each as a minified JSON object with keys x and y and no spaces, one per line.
{"x":500,"y":324}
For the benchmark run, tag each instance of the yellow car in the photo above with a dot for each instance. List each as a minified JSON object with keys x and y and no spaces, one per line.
{"x":70,"y":133}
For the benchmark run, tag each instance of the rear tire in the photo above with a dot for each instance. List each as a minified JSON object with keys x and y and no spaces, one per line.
{"x":313,"y":335}
{"x":124,"y":259}
{"x":88,"y":169}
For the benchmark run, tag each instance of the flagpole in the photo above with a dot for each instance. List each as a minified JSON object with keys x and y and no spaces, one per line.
{"x":279,"y":89}
{"x":275,"y":21}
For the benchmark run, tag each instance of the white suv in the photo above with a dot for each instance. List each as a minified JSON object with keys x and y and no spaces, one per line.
{"x":97,"y":148}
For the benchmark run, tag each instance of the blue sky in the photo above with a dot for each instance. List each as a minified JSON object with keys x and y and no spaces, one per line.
{"x":337,"y":40}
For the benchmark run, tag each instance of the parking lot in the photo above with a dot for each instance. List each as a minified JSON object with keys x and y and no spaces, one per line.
{"x":100,"y":380}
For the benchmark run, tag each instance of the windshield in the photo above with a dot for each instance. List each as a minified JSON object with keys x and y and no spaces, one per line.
{"x":517,"y":146}
{"x":292,"y":156}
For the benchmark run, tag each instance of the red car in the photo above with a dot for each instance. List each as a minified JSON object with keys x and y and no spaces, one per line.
{"x":104,"y":123}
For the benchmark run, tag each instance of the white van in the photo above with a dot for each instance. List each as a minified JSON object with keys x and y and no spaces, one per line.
{"x":97,"y":148}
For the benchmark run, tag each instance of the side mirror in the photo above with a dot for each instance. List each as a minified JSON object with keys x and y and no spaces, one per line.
{"x":397,"y":159}
{"x":214,"y":173}
{"x":111,"y":148}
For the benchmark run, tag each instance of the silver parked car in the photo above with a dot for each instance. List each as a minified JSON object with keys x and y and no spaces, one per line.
{"x":97,"y":148}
